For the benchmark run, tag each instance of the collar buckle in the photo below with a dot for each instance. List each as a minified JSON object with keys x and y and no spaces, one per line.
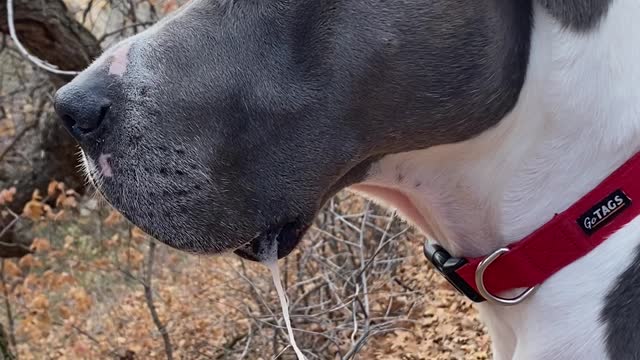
{"x":482,"y":267}
{"x":447,"y":266}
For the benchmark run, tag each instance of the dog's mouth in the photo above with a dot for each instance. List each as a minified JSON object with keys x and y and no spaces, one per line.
{"x":286,"y":236}
{"x":283,"y":236}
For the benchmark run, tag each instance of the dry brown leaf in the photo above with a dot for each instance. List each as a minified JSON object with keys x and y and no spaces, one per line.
{"x":11,"y":269}
{"x":137,"y":234}
{"x":68,"y":242}
{"x":36,"y":195}
{"x":81,"y":299}
{"x":40,"y":245}
{"x":61,"y":280}
{"x":113,"y":241}
{"x":48,"y":277}
{"x":33,"y":210}
{"x":31,"y":281}
{"x":40,"y":302}
{"x":66,"y":200}
{"x":52,"y":189}
{"x":64,"y":312}
{"x":7,"y":195}
{"x":113,"y":218}
{"x":102,"y":264}
{"x":80,"y":348}
{"x":169,"y":6}
{"x":70,"y":202}
{"x":7,"y":127}
{"x":28,"y":261}
{"x":52,"y":215}
{"x":131,"y":256}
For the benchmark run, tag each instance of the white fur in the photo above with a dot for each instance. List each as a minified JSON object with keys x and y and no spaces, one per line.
{"x":577,"y":119}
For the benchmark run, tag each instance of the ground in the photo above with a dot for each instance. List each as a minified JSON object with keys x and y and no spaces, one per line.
{"x":81,"y":295}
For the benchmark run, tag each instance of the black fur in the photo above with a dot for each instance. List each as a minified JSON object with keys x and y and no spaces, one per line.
{"x":581,"y":15}
{"x":621,"y":314}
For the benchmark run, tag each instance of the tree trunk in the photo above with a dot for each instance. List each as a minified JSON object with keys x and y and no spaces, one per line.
{"x":48,"y":31}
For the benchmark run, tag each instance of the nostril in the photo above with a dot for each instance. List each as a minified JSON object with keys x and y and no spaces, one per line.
{"x":68,"y":121}
{"x":82,"y":115}
{"x":83,"y":106}
{"x":103,"y":111}
{"x":90,"y":122}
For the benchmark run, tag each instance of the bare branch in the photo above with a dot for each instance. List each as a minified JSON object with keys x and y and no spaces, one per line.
{"x":102,"y":38}
{"x":148,"y":294}
{"x":7,"y":305}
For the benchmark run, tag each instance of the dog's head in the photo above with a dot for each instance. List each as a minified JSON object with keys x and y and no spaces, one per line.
{"x":230,"y":123}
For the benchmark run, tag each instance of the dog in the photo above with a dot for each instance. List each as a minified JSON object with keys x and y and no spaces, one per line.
{"x":230,"y":123}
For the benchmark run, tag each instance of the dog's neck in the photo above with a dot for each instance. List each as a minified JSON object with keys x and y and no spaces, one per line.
{"x":577,"y":119}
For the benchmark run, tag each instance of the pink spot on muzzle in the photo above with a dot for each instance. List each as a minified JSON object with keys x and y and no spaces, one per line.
{"x":105,"y":168}
{"x":119,"y":60}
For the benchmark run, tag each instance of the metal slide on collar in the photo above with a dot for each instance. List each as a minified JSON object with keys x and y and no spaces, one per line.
{"x":482,"y":267}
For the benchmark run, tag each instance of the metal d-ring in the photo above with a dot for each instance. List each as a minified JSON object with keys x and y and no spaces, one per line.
{"x":486,"y":294}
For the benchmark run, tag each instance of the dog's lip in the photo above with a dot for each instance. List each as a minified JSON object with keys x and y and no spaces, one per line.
{"x":287,"y":236}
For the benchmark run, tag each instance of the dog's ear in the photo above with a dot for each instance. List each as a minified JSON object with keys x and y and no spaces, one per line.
{"x":580,"y":15}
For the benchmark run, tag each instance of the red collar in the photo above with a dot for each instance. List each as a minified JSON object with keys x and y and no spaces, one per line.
{"x":567,"y":237}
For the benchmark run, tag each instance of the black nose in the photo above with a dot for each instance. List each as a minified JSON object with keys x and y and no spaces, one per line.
{"x":82,"y":106}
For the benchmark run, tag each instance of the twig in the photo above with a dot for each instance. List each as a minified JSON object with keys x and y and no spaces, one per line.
{"x":363,"y":274}
{"x":355,"y":318}
{"x":148,"y":294}
{"x":357,"y":346}
{"x":246,"y":346}
{"x":77,"y":329}
{"x":403,"y":285}
{"x":130,"y":276}
{"x":86,"y":11}
{"x":254,"y":288}
{"x":129,"y":238}
{"x":380,"y":248}
{"x":5,"y":349}
{"x":7,"y":305}
{"x":123,"y":28}
{"x":230,"y":345}
{"x":8,"y":227}
{"x":35,"y":60}
{"x":3,"y":42}
{"x":280,"y":353}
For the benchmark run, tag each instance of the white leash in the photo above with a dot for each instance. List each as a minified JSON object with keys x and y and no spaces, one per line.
{"x":35,"y":60}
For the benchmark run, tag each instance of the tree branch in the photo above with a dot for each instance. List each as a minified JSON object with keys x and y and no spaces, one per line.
{"x":148,"y":294}
{"x":7,"y":304}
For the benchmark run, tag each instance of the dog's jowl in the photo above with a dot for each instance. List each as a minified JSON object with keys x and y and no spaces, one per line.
{"x":478,"y":121}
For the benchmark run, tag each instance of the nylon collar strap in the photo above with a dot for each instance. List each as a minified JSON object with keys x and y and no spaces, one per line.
{"x":567,"y":237}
